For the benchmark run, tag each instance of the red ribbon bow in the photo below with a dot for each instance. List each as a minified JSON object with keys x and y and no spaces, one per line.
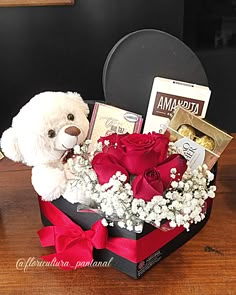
{"x":74,"y":247}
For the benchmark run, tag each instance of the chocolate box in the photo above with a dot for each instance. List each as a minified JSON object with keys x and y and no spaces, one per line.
{"x":196,"y":153}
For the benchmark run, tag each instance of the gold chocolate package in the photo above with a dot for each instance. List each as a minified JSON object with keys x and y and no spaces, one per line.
{"x":200,"y":141}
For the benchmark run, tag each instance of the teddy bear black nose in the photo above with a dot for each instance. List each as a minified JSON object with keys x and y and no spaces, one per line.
{"x":72,"y":130}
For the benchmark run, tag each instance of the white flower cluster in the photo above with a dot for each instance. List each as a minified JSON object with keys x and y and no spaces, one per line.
{"x":82,"y":178}
{"x":173,"y":149}
{"x":182,"y":204}
{"x":114,"y":199}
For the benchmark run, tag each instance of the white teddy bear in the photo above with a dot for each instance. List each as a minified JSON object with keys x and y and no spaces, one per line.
{"x":44,"y":129}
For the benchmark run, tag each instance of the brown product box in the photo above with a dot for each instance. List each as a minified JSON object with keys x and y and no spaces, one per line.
{"x":200,"y":141}
{"x":107,"y":119}
{"x":166,"y":95}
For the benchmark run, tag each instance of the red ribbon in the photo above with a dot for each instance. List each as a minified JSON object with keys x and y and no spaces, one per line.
{"x":74,"y":245}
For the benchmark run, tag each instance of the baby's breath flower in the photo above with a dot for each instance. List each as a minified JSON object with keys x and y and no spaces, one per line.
{"x":77,"y":149}
{"x":157,"y":209}
{"x":172,"y":223}
{"x":186,"y":187}
{"x":99,"y":146}
{"x":173,"y":170}
{"x":122,"y":178}
{"x":138,"y":228}
{"x":212,"y":188}
{"x":104,"y":222}
{"x":121,"y":224}
{"x":174,"y":184}
{"x":211,"y":194}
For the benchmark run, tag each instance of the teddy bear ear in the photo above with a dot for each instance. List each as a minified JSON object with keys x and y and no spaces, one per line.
{"x":9,"y":145}
{"x":83,"y":106}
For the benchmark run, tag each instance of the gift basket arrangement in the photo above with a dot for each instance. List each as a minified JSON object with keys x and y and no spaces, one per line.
{"x":117,"y":190}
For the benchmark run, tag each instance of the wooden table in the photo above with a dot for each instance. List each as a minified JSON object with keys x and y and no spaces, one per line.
{"x":189,"y":270}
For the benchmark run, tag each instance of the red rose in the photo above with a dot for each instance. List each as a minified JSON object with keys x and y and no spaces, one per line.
{"x":142,"y":151}
{"x":106,"y":166}
{"x":147,"y":185}
{"x":173,"y":161}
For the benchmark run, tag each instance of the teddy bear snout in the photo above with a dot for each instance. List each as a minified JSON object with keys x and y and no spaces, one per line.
{"x":73,"y":131}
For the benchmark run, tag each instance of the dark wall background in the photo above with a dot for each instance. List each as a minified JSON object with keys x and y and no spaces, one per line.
{"x":64,"y":48}
{"x":210,"y":31}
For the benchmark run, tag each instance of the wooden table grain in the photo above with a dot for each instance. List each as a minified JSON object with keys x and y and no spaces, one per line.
{"x":189,"y":270}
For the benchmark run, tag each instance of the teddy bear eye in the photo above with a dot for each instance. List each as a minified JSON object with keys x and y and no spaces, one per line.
{"x":70,"y":117}
{"x":51,"y":133}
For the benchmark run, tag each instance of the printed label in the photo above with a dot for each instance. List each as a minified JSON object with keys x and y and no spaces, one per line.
{"x":193,"y":152}
{"x":144,"y":265}
{"x":165,"y":104}
{"x":131,"y":117}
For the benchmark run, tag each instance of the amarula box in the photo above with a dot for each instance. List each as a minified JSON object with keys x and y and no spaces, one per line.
{"x":132,"y":253}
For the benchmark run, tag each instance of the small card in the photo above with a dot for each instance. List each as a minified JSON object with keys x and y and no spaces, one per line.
{"x":200,"y":141}
{"x":166,"y":95}
{"x":107,"y":119}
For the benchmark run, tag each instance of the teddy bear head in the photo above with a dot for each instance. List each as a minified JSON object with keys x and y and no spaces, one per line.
{"x":45,"y":127}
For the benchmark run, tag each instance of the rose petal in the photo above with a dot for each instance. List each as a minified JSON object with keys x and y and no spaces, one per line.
{"x":105,"y":166}
{"x":147,"y":185}
{"x":162,"y":144}
{"x":173,"y":161}
{"x":137,"y":162}
{"x":143,"y":151}
{"x":114,"y":146}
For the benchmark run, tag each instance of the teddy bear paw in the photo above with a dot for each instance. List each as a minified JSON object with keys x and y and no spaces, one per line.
{"x":48,"y":182}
